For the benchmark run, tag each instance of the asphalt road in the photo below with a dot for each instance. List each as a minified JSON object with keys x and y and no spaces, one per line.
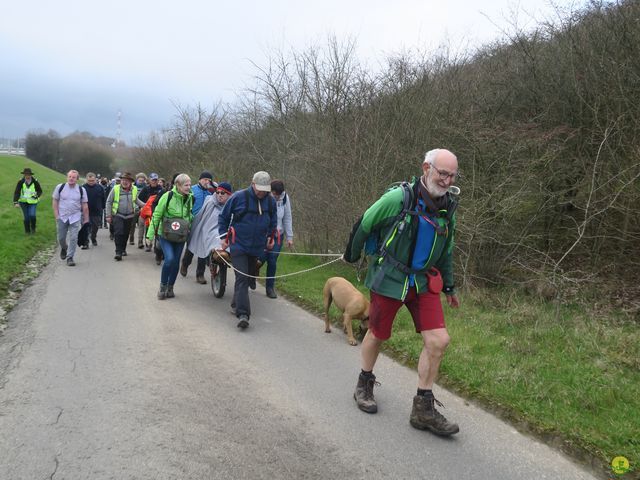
{"x":100,"y":380}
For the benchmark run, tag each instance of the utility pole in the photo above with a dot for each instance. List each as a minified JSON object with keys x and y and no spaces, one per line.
{"x":118,"y":139}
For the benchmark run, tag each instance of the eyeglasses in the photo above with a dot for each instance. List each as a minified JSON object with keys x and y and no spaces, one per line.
{"x":444,"y":175}
{"x":220,"y":192}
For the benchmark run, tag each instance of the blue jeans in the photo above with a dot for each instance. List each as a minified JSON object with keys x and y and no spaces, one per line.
{"x":271,"y":257}
{"x":28,"y":210}
{"x":172,"y":252}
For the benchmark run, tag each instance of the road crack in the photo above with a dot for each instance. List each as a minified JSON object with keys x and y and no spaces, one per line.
{"x":58,"y":417}
{"x":55,"y":459}
{"x":73,"y":360}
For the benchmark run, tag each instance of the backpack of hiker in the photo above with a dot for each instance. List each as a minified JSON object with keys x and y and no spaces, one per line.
{"x":395,"y":227}
{"x":146,"y":212}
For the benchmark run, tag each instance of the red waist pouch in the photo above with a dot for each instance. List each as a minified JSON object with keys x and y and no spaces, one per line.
{"x":434,"y":281}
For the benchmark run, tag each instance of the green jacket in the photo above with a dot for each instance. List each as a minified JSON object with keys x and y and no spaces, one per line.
{"x":385,"y":278}
{"x":179,"y":206}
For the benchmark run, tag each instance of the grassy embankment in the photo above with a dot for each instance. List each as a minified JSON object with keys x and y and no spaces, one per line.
{"x":570,"y":377}
{"x":16,"y":248}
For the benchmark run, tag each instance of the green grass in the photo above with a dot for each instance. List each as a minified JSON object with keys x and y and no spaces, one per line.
{"x":558,"y":372}
{"x":16,"y":248}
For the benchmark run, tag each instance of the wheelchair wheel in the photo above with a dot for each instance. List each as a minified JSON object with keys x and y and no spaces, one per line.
{"x":218,"y":279}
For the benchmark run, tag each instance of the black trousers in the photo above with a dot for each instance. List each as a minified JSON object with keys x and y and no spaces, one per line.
{"x":132,"y":228}
{"x":245,"y":264}
{"x":121,"y":228}
{"x":96,"y":222}
{"x":202,"y":262}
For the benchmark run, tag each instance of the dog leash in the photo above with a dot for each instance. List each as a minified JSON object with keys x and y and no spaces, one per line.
{"x":337,"y":255}
{"x":311,"y":254}
{"x":283,"y":275}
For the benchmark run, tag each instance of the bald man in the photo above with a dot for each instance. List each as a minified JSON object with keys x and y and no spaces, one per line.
{"x":413,"y":226}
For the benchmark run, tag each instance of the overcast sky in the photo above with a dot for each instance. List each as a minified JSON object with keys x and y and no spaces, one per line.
{"x":70,"y":64}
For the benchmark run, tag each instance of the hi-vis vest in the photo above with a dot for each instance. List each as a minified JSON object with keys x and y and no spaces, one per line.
{"x":28,"y":193}
{"x":116,"y":198}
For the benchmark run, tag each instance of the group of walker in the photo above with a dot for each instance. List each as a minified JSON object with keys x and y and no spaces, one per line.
{"x":257,"y":221}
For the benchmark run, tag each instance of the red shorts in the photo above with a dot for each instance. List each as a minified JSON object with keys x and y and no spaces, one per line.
{"x":425,"y":309}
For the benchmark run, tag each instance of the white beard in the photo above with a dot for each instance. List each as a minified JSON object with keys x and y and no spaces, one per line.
{"x":433,"y":189}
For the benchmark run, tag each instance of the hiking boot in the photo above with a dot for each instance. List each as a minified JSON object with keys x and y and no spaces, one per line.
{"x":271,"y":293}
{"x":201,"y":280}
{"x":94,"y":243}
{"x":364,"y":393}
{"x":170,"y":293}
{"x":84,"y":247}
{"x":124,"y":254}
{"x":131,"y":242}
{"x":147,"y":249}
{"x":162,"y":293}
{"x":118,"y":257}
{"x":70,"y":262}
{"x":252,"y":283}
{"x":424,"y":416}
{"x":184,"y":269}
{"x":63,"y":253}
{"x":244,"y":322}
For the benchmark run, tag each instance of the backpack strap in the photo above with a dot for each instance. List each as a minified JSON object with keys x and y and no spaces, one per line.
{"x":272,"y":206}
{"x":62,"y":187}
{"x":409,"y":200}
{"x":238,"y":216}
{"x":166,"y":205}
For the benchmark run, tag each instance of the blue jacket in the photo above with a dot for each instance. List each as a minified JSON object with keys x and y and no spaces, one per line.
{"x":252,"y":224}
{"x":95,"y":198}
{"x":199,"y":194}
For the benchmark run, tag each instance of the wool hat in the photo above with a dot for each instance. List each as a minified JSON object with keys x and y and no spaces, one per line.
{"x":226,"y":187}
{"x":206,"y":174}
{"x":262,"y":181}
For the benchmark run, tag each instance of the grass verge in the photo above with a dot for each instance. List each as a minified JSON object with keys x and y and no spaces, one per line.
{"x":556,"y":371}
{"x":16,"y":248}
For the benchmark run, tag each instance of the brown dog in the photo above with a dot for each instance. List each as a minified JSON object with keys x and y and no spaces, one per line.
{"x":349,"y":301}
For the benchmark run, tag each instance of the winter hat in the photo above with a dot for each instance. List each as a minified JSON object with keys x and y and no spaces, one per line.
{"x":226,"y":187}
